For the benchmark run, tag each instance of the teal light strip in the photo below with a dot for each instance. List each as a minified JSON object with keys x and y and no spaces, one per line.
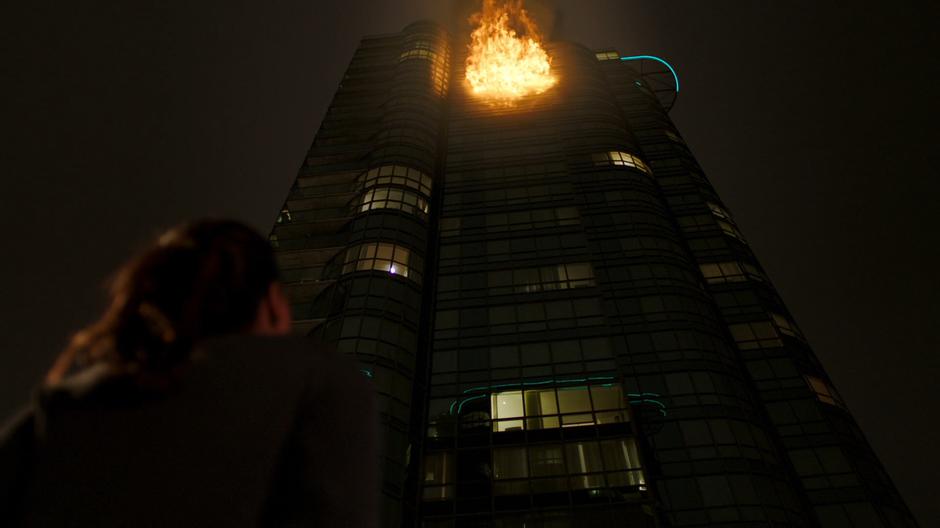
{"x":657,"y":59}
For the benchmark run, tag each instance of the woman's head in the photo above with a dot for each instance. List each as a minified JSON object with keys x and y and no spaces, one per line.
{"x":204,"y":279}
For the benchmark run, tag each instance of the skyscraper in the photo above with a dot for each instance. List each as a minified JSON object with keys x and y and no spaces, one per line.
{"x":563,"y":322}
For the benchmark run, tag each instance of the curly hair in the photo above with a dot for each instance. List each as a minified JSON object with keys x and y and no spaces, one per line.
{"x":198,"y":280}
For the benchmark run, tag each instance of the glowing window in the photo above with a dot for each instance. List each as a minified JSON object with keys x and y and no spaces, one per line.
{"x":382,"y":256}
{"x":393,"y":198}
{"x":398,"y":175}
{"x":607,"y":55}
{"x":553,"y":407}
{"x":619,"y":159}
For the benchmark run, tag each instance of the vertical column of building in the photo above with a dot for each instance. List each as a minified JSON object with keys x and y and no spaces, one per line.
{"x":353,"y":236}
{"x":710,"y":450}
{"x":840,"y":475}
{"x":528,"y":423}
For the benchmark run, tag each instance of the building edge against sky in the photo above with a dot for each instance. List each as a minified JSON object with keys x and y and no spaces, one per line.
{"x":563,"y":322}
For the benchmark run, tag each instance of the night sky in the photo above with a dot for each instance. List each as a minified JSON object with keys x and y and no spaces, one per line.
{"x":815,"y":121}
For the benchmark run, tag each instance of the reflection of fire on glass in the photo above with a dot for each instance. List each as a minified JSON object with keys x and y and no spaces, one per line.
{"x":506,"y":59}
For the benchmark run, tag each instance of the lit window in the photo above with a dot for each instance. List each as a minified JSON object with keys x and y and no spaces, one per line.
{"x":438,"y":477}
{"x":284,"y":216}
{"x":607,"y":55}
{"x":824,"y":391}
{"x":393,"y":198}
{"x":554,"y":407}
{"x":621,"y":159}
{"x":418,"y":54}
{"x":398,"y":175}
{"x":761,"y":334}
{"x":381,"y":256}
{"x":274,"y":242}
{"x":724,"y":272}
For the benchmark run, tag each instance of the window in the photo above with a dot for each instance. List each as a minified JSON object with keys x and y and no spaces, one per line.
{"x":607,"y":55}
{"x":438,"y":476}
{"x":518,"y":220}
{"x":786,"y":326}
{"x":823,"y":467}
{"x":554,"y":407}
{"x":398,"y":175}
{"x":393,"y":198}
{"x":760,"y":334}
{"x":284,"y":216}
{"x":695,"y":223}
{"x":545,"y":278}
{"x":619,"y":158}
{"x":824,"y":391}
{"x":610,"y":463}
{"x":724,"y":272}
{"x":382,"y":256}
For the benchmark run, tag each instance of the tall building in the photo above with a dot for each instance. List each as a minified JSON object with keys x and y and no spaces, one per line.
{"x":563,"y":322}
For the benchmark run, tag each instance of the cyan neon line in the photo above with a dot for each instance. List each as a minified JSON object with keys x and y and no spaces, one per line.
{"x":367,"y":372}
{"x":542,"y":382}
{"x":459,"y":407}
{"x":675,"y":76}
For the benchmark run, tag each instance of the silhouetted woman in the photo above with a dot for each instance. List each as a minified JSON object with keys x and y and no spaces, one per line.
{"x":186,"y":405}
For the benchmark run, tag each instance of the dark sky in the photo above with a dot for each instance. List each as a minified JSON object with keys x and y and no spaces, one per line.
{"x":816,"y":121}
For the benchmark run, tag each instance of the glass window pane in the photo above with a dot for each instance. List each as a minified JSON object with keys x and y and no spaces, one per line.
{"x":507,"y":405}
{"x":620,"y":454}
{"x":439,"y":468}
{"x":573,"y":400}
{"x":546,"y":460}
{"x":509,"y":463}
{"x":583,"y":457}
{"x":607,"y":397}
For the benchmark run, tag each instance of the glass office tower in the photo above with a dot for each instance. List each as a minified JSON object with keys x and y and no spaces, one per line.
{"x":563,"y":322}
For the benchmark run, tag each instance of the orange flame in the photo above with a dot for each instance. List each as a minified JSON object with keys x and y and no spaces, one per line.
{"x":504,"y":65}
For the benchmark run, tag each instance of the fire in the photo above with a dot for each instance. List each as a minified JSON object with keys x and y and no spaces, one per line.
{"x":506,"y":59}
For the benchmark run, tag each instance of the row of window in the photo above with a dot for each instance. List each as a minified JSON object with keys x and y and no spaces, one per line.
{"x":545,"y":468}
{"x":527,"y":354}
{"x":545,"y":278}
{"x":620,"y":159}
{"x":393,"y":198}
{"x":763,"y":334}
{"x":524,"y":317}
{"x":545,"y":408}
{"x":398,"y":175}
{"x":383,"y":256}
{"x":705,"y":222}
{"x":522,"y":220}
{"x":730,"y":271}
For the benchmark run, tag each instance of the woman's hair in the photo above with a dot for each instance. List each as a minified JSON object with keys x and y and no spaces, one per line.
{"x":198,"y":280}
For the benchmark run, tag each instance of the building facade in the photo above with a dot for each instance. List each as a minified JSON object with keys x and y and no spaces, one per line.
{"x":564,"y":324}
